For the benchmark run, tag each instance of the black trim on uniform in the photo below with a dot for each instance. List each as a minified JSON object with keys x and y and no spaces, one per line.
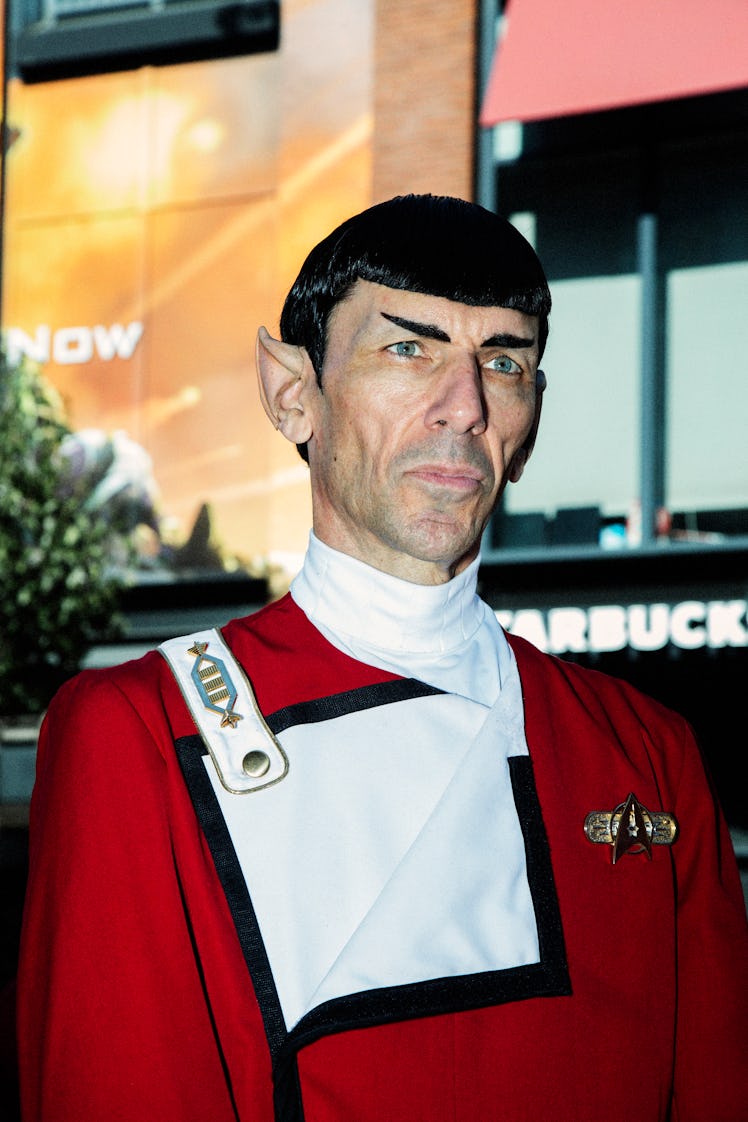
{"x":547,"y":978}
{"x":352,"y":701}
{"x":191,"y":751}
{"x":539,"y":869}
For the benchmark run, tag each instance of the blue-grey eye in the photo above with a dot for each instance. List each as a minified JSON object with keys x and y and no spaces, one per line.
{"x":408,"y":348}
{"x":502,"y":364}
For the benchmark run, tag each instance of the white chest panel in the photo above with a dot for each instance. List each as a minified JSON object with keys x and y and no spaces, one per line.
{"x":391,"y":851}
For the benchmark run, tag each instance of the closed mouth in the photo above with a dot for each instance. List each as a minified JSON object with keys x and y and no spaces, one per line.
{"x":459,"y":476}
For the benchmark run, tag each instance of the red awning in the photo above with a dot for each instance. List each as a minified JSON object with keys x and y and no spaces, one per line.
{"x":557,"y":57}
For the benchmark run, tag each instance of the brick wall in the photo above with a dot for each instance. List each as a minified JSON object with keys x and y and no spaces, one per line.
{"x":424,"y":97}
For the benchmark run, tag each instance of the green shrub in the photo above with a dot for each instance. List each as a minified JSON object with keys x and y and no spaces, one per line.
{"x":58,"y":593}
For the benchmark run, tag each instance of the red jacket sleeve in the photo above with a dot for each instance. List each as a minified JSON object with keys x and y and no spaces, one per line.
{"x":712,"y":957}
{"x":113,"y":1018}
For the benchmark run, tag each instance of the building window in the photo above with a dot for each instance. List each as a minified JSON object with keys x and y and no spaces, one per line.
{"x":64,"y":38}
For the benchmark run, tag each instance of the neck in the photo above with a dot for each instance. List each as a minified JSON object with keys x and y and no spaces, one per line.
{"x":361,"y":545}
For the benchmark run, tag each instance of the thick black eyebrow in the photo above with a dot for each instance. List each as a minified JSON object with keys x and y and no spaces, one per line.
{"x":431,"y":331}
{"x":514,"y":342}
{"x":425,"y":330}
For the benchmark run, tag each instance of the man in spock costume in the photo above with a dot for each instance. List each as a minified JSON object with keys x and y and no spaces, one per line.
{"x":362,"y":856}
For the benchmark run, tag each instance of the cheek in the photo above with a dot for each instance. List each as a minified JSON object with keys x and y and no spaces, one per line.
{"x":510,"y":420}
{"x":356,"y":453}
{"x":374,"y":430}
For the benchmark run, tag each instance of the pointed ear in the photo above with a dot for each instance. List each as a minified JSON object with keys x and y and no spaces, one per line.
{"x":285,"y":374}
{"x":522,"y":455}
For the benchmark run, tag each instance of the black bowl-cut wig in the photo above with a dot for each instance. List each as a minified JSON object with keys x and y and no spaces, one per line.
{"x":432,"y":244}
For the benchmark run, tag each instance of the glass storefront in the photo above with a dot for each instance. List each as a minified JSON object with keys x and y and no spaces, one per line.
{"x":579,"y":188}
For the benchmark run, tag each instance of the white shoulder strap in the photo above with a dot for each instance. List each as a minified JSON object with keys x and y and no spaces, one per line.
{"x":246,"y":754}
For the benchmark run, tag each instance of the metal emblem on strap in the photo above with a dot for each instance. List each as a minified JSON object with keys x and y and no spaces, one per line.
{"x":246,"y":754}
{"x":630,"y":828}
{"x":214,"y":684}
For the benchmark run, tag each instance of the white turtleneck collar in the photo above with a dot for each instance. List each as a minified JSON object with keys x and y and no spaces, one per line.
{"x":444,"y":634}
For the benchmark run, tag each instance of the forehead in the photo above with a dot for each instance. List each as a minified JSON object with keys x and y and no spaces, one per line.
{"x":362,"y":316}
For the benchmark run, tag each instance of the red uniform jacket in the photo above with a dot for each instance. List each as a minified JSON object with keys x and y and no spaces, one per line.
{"x":145,"y":993}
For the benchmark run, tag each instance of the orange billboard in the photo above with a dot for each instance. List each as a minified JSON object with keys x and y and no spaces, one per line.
{"x":154,"y":218}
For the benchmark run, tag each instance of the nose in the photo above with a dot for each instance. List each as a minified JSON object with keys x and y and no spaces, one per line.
{"x":457,"y":400}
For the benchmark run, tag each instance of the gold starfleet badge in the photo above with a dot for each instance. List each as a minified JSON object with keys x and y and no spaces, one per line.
{"x":630,"y":828}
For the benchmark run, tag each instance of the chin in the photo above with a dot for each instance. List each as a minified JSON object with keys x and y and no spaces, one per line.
{"x":440,"y":546}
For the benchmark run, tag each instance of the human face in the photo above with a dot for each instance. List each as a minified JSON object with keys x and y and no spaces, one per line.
{"x":424,"y":408}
